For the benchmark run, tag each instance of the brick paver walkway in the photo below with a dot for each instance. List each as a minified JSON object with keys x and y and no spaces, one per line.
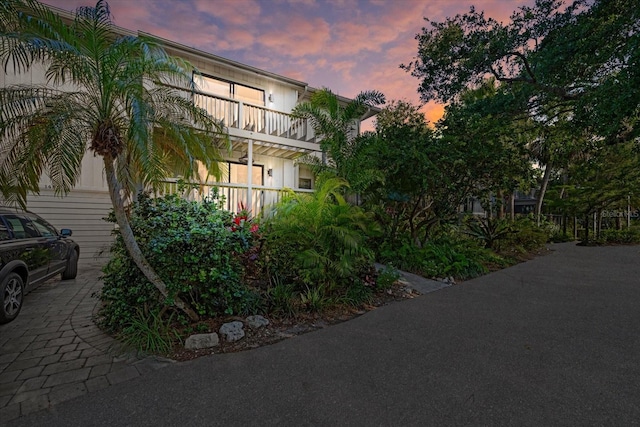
{"x":54,"y":351}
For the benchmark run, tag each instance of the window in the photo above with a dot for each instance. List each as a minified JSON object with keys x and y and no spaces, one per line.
{"x":4,"y":231}
{"x":238,"y":173}
{"x":230,"y":90}
{"x":305,"y":177}
{"x":21,"y":227}
{"x":45,"y":229}
{"x":304,"y":183}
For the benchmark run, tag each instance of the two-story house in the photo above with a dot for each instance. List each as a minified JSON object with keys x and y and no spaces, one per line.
{"x":253,"y":104}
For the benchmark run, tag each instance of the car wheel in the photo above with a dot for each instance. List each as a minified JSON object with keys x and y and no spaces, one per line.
{"x":11,"y":294}
{"x":72,"y":267}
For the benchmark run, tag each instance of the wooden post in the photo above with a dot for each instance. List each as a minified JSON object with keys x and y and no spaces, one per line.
{"x":250,"y":176}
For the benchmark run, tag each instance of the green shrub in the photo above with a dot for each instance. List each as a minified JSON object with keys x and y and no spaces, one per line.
{"x":387,"y":277}
{"x":282,"y":298}
{"x":195,"y":249}
{"x":449,"y":254}
{"x":317,"y":241}
{"x":148,"y":333}
{"x":621,"y":237}
{"x":526,"y":236}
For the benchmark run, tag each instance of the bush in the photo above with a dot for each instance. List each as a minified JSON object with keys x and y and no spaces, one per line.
{"x":626,"y":236}
{"x":449,"y":254}
{"x":317,"y":243}
{"x":193,"y":246}
{"x":526,"y":236}
{"x":387,"y":277}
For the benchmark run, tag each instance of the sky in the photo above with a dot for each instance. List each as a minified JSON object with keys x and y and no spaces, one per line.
{"x":348,"y":46}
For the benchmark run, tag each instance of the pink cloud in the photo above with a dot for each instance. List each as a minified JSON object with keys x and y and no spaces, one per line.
{"x":300,"y":37}
{"x":236,"y":12}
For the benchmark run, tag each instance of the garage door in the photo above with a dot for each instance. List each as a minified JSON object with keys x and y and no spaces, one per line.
{"x":83,"y":213}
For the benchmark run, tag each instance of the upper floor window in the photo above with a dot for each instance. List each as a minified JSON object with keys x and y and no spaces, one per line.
{"x":230,"y":90}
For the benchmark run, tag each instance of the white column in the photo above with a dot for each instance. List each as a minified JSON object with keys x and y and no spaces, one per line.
{"x":250,"y":175}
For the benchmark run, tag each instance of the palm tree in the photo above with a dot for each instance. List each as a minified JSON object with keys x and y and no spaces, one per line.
{"x":121,"y":97}
{"x":333,"y":121}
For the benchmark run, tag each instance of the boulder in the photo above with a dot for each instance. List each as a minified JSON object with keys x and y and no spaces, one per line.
{"x":198,"y":341}
{"x":256,"y":322}
{"x":232,"y":331}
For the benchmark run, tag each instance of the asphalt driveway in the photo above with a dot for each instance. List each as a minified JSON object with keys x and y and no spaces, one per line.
{"x":554,"y":341}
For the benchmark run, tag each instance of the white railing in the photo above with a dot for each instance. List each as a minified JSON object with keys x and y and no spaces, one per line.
{"x":235,"y":196}
{"x":241,"y":115}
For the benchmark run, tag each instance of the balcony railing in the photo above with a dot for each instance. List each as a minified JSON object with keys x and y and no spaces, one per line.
{"x":248,"y":117}
{"x":234,"y":195}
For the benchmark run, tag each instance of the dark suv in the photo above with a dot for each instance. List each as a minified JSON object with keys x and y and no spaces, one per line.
{"x":31,"y":251}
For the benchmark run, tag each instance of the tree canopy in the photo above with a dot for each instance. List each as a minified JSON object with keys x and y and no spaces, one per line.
{"x":581,"y":58}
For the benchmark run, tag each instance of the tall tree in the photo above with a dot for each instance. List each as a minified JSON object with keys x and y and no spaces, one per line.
{"x":481,"y":125}
{"x":581,"y":58}
{"x":120,"y":97}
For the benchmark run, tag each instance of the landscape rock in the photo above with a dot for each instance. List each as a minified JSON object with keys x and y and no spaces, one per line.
{"x":256,"y":322}
{"x":232,"y":331}
{"x":198,"y":341}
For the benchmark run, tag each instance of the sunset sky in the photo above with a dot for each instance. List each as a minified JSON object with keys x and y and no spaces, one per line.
{"x":345,"y":45}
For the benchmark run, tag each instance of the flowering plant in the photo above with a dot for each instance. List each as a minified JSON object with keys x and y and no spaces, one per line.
{"x":243,"y":219}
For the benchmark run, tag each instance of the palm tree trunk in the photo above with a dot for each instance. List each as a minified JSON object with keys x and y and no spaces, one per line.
{"x":543,"y":189}
{"x":132,"y":245}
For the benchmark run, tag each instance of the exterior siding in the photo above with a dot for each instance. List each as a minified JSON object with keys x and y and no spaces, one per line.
{"x":83,"y":213}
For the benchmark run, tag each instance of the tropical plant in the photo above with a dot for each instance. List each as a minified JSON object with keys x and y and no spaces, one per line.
{"x":120,"y":97}
{"x":489,"y":230}
{"x":334,"y":121}
{"x":318,"y":240}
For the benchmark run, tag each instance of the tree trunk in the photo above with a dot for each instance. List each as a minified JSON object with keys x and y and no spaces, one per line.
{"x":543,"y":189}
{"x":512,"y":206}
{"x":132,"y":245}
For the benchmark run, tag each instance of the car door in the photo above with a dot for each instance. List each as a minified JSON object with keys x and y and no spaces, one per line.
{"x":28,"y":246}
{"x":55,"y":245}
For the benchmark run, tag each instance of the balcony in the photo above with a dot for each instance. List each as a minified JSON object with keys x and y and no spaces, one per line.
{"x":257,"y":198}
{"x":266,"y":127}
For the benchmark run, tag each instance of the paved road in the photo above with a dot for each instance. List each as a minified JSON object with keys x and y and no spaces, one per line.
{"x":554,"y":341}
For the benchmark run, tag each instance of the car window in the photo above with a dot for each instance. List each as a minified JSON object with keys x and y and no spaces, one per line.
{"x":43,"y":227}
{"x":4,"y":231}
{"x":21,"y":226}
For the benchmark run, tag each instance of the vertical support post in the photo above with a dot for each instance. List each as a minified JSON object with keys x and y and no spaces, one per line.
{"x":250,"y":175}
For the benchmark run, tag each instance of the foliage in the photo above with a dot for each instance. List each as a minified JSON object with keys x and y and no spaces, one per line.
{"x":334,"y":120}
{"x":449,"y":254}
{"x":314,"y":298}
{"x":121,"y":97}
{"x":579,"y":57}
{"x":194,"y":248}
{"x":317,"y":242}
{"x":623,"y":237}
{"x":282,"y":298}
{"x":148,"y":332}
{"x":489,"y":230}
{"x":490,"y":146}
{"x":602,"y":180}
{"x":526,"y":236}
{"x":387,"y":276}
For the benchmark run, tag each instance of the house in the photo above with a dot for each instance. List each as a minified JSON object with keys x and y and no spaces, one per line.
{"x":253,"y":104}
